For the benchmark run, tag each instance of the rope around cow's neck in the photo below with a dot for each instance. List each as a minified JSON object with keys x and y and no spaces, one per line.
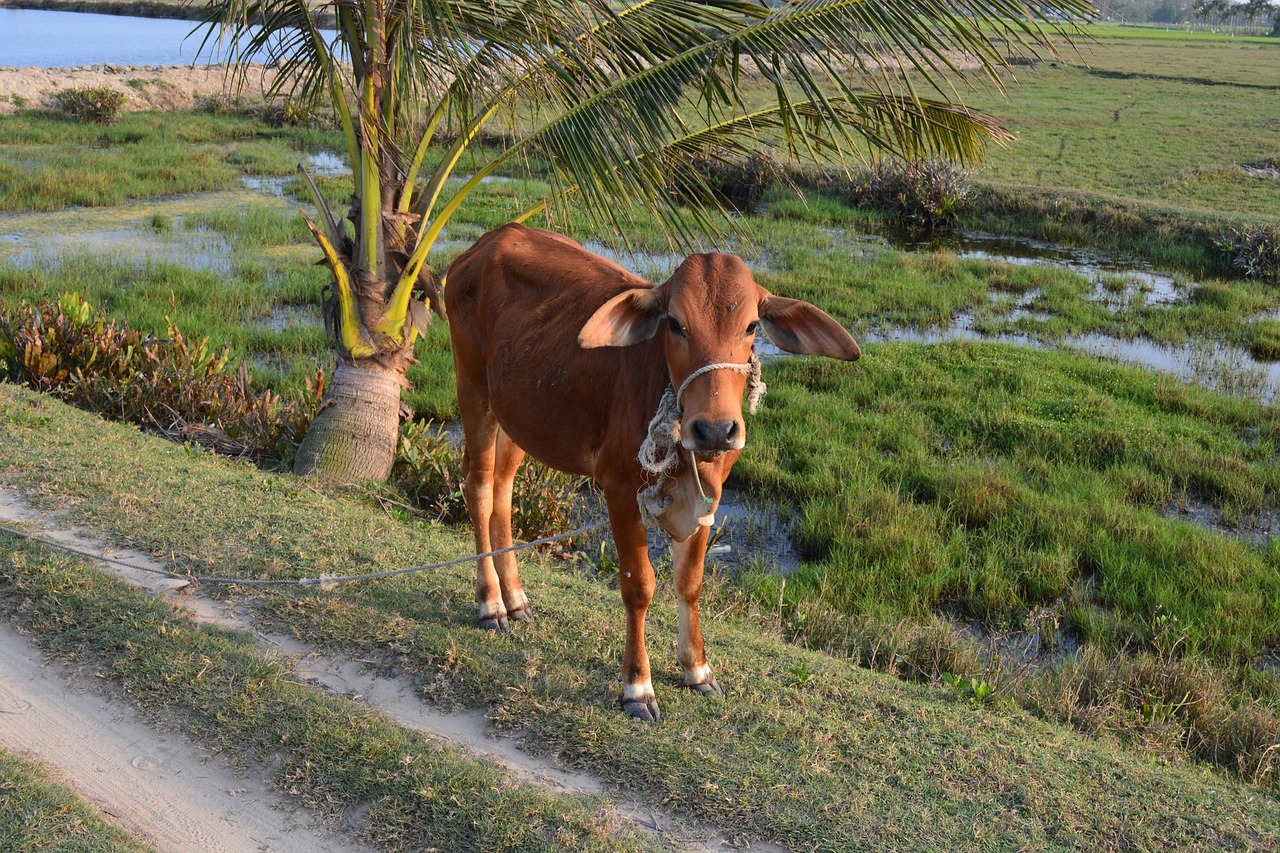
{"x":659,"y":454}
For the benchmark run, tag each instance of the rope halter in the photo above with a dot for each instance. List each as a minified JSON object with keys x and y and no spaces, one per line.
{"x":660,"y":451}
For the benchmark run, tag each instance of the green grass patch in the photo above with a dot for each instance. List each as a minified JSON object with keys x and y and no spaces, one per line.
{"x":807,"y":750}
{"x":48,"y":162}
{"x":987,"y":481}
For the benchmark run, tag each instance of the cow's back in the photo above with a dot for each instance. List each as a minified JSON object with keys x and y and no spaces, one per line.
{"x":516,"y":302}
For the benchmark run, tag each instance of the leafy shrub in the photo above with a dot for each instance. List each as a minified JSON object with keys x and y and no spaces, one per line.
{"x":1254,"y":250}
{"x":218,"y":104}
{"x":292,"y":113}
{"x":922,"y":194}
{"x":738,"y":182}
{"x":180,"y":388}
{"x":429,"y":470}
{"x":98,"y":104}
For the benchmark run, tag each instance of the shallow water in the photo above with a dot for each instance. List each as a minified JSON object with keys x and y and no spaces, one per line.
{"x":1160,"y":287}
{"x":1257,"y":529}
{"x":285,"y":317}
{"x":323,"y":164}
{"x":127,"y":232}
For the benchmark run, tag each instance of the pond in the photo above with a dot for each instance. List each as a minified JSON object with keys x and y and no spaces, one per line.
{"x":33,"y":38}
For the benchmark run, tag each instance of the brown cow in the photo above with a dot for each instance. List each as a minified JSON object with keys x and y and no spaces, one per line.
{"x":566,"y":356}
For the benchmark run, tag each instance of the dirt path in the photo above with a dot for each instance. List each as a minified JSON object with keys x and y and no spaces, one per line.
{"x":394,"y":697}
{"x":156,"y":786}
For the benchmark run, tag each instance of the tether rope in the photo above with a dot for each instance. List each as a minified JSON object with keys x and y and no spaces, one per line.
{"x":324,"y":581}
{"x":659,"y":453}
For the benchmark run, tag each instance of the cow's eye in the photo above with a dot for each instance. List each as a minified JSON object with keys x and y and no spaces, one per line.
{"x":674,"y":325}
{"x":752,"y":326}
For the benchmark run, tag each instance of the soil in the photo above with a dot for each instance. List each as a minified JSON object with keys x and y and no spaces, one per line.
{"x":145,"y":87}
{"x":154,"y":785}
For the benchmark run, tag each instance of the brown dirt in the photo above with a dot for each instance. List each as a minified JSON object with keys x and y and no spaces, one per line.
{"x":145,"y":87}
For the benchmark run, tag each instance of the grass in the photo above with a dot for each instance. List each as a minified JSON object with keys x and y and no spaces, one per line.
{"x":48,"y":162}
{"x":1135,"y":140}
{"x":806,"y":751}
{"x":931,"y":486}
{"x":39,"y":815}
{"x":988,"y":482}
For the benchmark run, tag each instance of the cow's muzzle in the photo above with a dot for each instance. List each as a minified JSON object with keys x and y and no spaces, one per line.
{"x":713,"y":437}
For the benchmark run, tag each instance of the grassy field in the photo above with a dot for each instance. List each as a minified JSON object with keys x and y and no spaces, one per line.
{"x":952,"y":502}
{"x":806,"y":750}
{"x":1135,"y":140}
{"x":1148,"y":121}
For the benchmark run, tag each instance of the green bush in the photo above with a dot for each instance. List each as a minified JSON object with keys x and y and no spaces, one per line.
{"x":97,"y":104}
{"x":922,"y":193}
{"x":429,"y":470}
{"x":177,"y":387}
{"x":293,"y":113}
{"x":739,"y":182}
{"x":1254,"y":250}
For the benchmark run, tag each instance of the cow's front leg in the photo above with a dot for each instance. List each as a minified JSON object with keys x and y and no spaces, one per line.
{"x":687,"y":560}
{"x":637,"y":584}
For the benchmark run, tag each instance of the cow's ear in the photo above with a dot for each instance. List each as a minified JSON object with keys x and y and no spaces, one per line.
{"x":799,"y":327}
{"x":628,"y":318}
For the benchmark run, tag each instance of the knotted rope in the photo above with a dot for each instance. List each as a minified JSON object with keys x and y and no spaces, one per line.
{"x":659,"y":453}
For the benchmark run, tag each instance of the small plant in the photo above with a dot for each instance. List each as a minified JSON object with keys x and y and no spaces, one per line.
{"x":182,"y":389}
{"x":741,"y":182}
{"x":1043,"y":624}
{"x":97,"y":104}
{"x":429,"y":470}
{"x":1254,"y":250}
{"x":18,"y":101}
{"x":973,"y":689}
{"x":218,"y":104}
{"x":800,"y":675}
{"x":161,"y":223}
{"x":291,"y":113}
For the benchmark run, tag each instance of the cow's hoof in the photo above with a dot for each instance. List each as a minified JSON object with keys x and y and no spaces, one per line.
{"x":643,"y":709}
{"x":707,"y":688}
{"x":498,"y":624}
{"x":521,"y":614}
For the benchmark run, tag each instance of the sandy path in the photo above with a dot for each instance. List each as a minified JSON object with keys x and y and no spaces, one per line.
{"x":145,"y":87}
{"x":394,"y":697}
{"x":154,"y":785}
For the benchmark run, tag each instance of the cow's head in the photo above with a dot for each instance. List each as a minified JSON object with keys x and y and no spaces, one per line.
{"x":710,"y":311}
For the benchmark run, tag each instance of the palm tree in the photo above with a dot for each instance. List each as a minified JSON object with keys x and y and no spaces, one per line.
{"x":618,"y":98}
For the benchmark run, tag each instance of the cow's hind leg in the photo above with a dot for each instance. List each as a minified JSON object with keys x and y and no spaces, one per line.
{"x":509,"y":455}
{"x":480,"y":433}
{"x":687,"y":560}
{"x":636,"y":582}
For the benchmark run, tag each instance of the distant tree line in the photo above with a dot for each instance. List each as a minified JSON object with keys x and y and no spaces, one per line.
{"x":1251,"y":16}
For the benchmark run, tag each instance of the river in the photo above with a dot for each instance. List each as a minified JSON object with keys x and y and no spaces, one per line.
{"x":31,"y":38}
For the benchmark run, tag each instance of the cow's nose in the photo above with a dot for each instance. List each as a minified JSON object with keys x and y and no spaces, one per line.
{"x":709,"y":436}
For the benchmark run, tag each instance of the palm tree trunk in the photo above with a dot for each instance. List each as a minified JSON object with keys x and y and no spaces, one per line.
{"x":354,"y":436}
